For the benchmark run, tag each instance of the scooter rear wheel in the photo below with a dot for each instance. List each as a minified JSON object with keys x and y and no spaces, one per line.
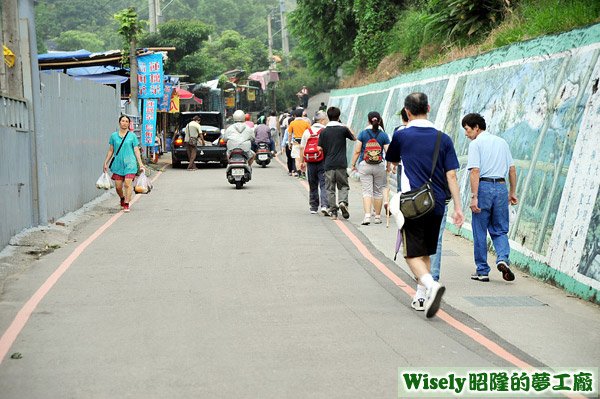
{"x":238,"y":184}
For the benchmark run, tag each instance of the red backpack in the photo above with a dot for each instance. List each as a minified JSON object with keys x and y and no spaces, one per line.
{"x":311,"y":150}
{"x":373,"y":151}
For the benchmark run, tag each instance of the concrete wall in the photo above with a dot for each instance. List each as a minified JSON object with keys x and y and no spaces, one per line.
{"x":542,"y":97}
{"x":77,"y":117}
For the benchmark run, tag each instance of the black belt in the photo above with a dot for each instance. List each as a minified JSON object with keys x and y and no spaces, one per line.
{"x":492,"y":179}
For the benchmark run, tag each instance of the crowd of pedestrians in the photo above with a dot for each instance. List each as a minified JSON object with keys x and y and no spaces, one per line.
{"x":422,"y":158}
{"x":418,"y":155}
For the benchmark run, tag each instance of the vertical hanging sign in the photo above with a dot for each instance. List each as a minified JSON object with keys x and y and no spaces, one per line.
{"x":164,"y":102}
{"x":151,"y":88}
{"x":150,"y":76}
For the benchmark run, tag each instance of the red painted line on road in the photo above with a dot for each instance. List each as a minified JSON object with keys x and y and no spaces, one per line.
{"x":410,"y":292}
{"x":20,"y":320}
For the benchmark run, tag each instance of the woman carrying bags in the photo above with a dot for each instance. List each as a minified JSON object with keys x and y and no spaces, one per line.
{"x":369,"y":152}
{"x":124,"y":145}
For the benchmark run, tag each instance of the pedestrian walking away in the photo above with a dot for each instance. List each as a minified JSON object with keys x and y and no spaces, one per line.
{"x":416,"y":147}
{"x":193,"y":135}
{"x":273,"y":124}
{"x":368,"y":160}
{"x":126,"y":161}
{"x":489,"y":161}
{"x":312,"y":160}
{"x":332,"y":142}
{"x":296,"y":129}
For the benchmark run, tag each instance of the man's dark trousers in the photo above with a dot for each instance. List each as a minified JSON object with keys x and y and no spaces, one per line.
{"x":316,"y":181}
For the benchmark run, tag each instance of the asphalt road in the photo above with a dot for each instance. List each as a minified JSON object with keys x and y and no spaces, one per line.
{"x":204,"y":291}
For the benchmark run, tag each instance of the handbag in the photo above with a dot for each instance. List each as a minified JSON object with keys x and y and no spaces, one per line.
{"x":193,"y":141}
{"x":421,"y":201}
{"x":118,"y":149}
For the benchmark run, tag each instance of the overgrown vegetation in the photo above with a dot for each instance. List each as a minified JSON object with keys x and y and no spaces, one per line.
{"x":412,"y":34}
{"x":368,"y":40}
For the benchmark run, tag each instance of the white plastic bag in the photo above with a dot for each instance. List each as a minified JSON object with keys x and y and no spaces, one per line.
{"x":103,"y":182}
{"x":395,"y":210}
{"x":512,"y":215}
{"x":142,"y":184}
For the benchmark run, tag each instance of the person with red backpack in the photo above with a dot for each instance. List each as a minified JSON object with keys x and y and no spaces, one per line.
{"x":312,"y":159}
{"x":369,"y":151}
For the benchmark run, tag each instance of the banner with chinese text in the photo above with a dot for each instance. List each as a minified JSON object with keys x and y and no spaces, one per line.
{"x":164,"y":102}
{"x":149,"y":122}
{"x":150,"y":76}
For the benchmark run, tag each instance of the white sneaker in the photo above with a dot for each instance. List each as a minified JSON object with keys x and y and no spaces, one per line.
{"x":418,"y":304}
{"x":434,"y":298}
{"x":324,"y":211}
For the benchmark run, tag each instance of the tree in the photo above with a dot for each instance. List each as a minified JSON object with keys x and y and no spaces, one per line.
{"x":248,"y":17}
{"x":131,"y":29}
{"x":325,"y":31}
{"x":76,"y":39}
{"x":229,"y":51}
{"x":374,"y":18}
{"x":187,"y":36}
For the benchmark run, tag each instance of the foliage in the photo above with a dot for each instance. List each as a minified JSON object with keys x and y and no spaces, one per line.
{"x":407,"y":35}
{"x":76,"y":39}
{"x":463,"y":20}
{"x":248,"y":17}
{"x":186,"y":36}
{"x":293,"y":78}
{"x":325,"y":31}
{"x":130,"y":26}
{"x":229,"y":51}
{"x":374,"y":18}
{"x":538,"y":17}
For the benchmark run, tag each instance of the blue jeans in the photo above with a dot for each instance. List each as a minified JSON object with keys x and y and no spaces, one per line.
{"x":493,"y":218}
{"x":436,"y":260}
{"x":317,"y":191}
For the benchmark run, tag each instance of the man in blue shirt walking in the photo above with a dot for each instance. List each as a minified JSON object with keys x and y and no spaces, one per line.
{"x":415,"y":146}
{"x":489,"y":162}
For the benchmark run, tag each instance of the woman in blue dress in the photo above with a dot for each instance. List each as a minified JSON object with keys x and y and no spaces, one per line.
{"x":126,"y":162}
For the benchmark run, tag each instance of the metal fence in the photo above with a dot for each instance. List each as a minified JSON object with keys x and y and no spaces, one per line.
{"x":77,"y":118}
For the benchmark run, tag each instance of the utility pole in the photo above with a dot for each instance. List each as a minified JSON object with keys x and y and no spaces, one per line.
{"x":270,"y":34}
{"x":152,"y":15}
{"x":285,"y":45}
{"x":159,"y":14}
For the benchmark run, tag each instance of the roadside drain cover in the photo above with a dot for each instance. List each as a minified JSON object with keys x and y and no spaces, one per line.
{"x":503,"y":301}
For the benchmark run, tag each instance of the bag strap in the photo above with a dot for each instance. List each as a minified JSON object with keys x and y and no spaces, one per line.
{"x":436,"y":152}
{"x":122,"y":142}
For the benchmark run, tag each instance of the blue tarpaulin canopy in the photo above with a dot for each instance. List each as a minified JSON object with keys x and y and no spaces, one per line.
{"x":64,"y":55}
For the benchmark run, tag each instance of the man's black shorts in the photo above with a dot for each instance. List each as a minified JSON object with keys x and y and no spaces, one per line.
{"x":421,"y":235}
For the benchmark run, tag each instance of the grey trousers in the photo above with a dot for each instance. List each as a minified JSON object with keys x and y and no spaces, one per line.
{"x":337,"y":178}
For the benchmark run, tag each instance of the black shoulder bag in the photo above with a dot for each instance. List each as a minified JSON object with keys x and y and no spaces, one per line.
{"x":421,"y":201}
{"x":118,"y":149}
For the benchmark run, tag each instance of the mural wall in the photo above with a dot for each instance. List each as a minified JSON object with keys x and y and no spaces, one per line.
{"x":542,"y":97}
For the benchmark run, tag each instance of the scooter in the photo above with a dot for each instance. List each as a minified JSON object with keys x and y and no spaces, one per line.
{"x":238,"y":171}
{"x":263,"y":154}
